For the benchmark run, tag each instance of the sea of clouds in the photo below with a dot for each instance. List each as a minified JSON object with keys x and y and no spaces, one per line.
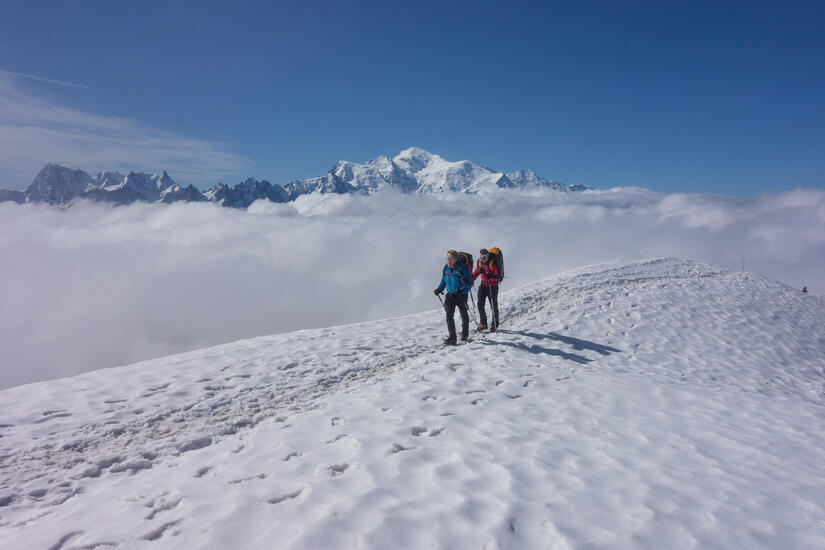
{"x":92,"y":285}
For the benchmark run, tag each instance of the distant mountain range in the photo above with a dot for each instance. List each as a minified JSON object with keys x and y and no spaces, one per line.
{"x":413,"y":170}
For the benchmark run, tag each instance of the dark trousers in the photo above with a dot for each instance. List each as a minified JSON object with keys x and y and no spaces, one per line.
{"x":451,"y":301}
{"x":485,"y":292}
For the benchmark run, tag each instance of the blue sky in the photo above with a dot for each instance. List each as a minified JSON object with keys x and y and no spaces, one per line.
{"x":716,"y":97}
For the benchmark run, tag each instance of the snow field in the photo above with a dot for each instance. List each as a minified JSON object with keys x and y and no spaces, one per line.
{"x":638,"y":405}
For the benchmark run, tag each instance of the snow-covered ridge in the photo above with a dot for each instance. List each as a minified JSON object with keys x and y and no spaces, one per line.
{"x":414,"y":170}
{"x":663,"y":398}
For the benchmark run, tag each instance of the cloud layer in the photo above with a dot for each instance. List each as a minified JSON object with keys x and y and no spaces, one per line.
{"x":34,"y":132}
{"x":94,"y":286}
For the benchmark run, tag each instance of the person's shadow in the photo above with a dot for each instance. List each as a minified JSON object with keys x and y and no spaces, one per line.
{"x":576,"y":343}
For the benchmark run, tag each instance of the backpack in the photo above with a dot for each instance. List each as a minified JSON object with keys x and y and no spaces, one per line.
{"x":497,"y":259}
{"x":467,"y":258}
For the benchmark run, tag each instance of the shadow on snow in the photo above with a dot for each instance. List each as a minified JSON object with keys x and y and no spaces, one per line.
{"x":576,"y":343}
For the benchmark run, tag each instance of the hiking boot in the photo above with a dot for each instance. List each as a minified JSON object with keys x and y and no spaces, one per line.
{"x":464,"y":337}
{"x":450,"y":341}
{"x":492,"y":328}
{"x":482,"y":326}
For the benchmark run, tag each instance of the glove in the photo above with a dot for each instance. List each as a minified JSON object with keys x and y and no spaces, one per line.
{"x":437,"y":291}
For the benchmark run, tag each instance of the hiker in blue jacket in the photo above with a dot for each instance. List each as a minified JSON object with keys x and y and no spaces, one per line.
{"x":458,"y":281}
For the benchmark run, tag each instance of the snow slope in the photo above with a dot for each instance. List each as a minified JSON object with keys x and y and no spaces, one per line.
{"x":652,"y":404}
{"x":374,"y":175}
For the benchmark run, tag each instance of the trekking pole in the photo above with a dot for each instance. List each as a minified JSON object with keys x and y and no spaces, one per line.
{"x":475,"y":320}
{"x":510,"y":307}
{"x":499,"y":318}
{"x":442,"y":302}
{"x":473,"y":300}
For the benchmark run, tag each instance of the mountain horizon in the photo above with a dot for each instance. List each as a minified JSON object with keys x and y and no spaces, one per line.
{"x":412,"y":171}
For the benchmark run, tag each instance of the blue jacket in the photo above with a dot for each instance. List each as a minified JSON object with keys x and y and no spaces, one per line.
{"x":457,"y":280}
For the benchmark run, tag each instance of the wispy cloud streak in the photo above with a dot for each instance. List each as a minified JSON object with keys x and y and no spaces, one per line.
{"x":34,"y":132}
{"x":49,"y":80}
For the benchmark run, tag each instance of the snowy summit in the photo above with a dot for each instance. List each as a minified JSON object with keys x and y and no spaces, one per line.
{"x":652,"y":404}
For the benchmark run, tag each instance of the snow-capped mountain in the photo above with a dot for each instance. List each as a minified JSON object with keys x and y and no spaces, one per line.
{"x":437,"y":175}
{"x":376,"y":174}
{"x":622,"y":405}
{"x":175,"y":193}
{"x":416,"y":170}
{"x":109,"y":179}
{"x":527,"y":179}
{"x":245,"y":193}
{"x":56,"y":184}
{"x":328,"y":183}
{"x":135,"y":186}
{"x":413,"y":170}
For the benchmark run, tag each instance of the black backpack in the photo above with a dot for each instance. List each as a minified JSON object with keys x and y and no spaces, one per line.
{"x":467,"y":258}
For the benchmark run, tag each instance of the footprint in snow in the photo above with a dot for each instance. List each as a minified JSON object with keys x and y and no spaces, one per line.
{"x":158,"y":533}
{"x":338,"y":469}
{"x":38,"y":493}
{"x":289,"y":366}
{"x":65,"y":538}
{"x":194,"y":444}
{"x":51,"y":415}
{"x":283,"y":498}
{"x":163,"y":506}
{"x":417,"y":431}
{"x":397,"y":448}
{"x":242,"y":480}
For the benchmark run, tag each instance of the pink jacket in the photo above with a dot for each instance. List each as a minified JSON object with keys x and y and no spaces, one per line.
{"x":488,"y":272}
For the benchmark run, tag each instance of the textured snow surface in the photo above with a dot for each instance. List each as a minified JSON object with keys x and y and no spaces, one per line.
{"x":653,"y":404}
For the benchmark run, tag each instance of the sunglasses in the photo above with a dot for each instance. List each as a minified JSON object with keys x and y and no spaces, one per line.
{"x":485,"y":256}
{"x":451,"y":258}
